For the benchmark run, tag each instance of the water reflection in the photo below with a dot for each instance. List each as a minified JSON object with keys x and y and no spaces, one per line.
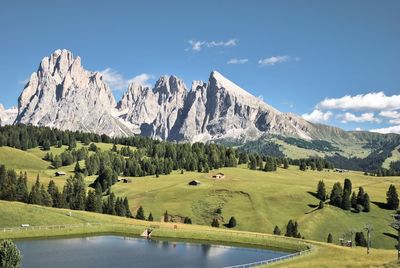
{"x":114,"y":251}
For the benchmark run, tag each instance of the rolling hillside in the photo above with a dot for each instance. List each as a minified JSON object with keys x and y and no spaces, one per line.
{"x":258,"y":200}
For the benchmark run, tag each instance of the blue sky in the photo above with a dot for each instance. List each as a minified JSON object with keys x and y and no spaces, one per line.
{"x":294,"y":54}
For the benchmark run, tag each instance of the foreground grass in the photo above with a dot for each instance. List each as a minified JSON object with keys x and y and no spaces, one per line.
{"x":322,"y":255}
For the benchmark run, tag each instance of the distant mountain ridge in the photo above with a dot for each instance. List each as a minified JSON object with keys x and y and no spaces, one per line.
{"x":62,"y":94}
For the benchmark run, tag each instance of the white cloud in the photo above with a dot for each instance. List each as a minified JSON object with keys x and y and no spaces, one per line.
{"x":317,"y":116}
{"x":196,"y":45}
{"x":390,"y":114}
{"x":365,"y":117}
{"x":391,"y":129}
{"x":237,"y":61}
{"x":395,"y":121}
{"x":117,"y":82}
{"x":362,"y":102}
{"x":358,"y":129}
{"x":274,"y":60}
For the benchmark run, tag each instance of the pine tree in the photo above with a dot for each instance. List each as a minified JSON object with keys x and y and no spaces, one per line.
{"x":321,"y":204}
{"x":91,"y":201}
{"x":166,"y":216}
{"x":285,"y":163}
{"x":346,"y":205}
{"x":127,"y":209}
{"x":353,"y":200}
{"x":277,"y":231}
{"x":150,"y":218}
{"x":22,"y":193}
{"x":302,"y":165}
{"x":187,"y":220}
{"x":330,"y":238}
{"x":313,"y":166}
{"x":77,"y":167}
{"x":10,"y":256}
{"x":336,"y":195}
{"x":321,"y":191}
{"x":366,"y":203}
{"x":360,"y":196}
{"x":392,"y":197}
{"x":140,"y":214}
{"x":291,"y":229}
{"x":35,"y":196}
{"x":57,"y":161}
{"x":347,"y":185}
{"x":232,"y":222}
{"x":46,"y":199}
{"x":360,"y":239}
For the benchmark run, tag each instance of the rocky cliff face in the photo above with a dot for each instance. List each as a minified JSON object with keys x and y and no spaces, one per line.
{"x":62,"y":94}
{"x":7,"y":116}
{"x":215,"y":110}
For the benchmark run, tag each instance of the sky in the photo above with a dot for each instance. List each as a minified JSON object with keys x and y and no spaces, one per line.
{"x":333,"y":62}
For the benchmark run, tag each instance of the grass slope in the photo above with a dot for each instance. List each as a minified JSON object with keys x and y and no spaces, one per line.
{"x":323,"y":255}
{"x":258,"y":200}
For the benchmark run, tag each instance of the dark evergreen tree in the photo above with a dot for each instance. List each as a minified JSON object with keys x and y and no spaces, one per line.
{"x":360,"y":196}
{"x":22,"y":193}
{"x":321,"y":191}
{"x":336,"y":195}
{"x":140,"y":214}
{"x":127,"y":209}
{"x":232,"y":222}
{"x":302,"y":165}
{"x":277,"y":231}
{"x":10,"y":256}
{"x":353,"y":200}
{"x":360,"y":239}
{"x":150,"y":218}
{"x":366,"y":203}
{"x":46,"y":199}
{"x":346,"y":204}
{"x":35,"y":196}
{"x":285,"y":163}
{"x":347,"y":185}
{"x":166,"y":216}
{"x":392,"y":197}
{"x":77,"y":168}
{"x":330,"y":238}
{"x":91,"y":201}
{"x":321,"y":204}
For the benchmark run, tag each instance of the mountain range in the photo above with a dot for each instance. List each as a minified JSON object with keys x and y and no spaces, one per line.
{"x":64,"y":95}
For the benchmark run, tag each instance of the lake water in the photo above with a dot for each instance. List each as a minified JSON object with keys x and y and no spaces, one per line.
{"x":116,"y":251}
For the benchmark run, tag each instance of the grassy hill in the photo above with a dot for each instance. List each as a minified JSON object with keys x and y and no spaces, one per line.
{"x":18,"y":213}
{"x":258,"y":200}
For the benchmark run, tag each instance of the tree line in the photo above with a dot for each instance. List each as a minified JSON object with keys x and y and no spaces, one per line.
{"x":73,"y":196}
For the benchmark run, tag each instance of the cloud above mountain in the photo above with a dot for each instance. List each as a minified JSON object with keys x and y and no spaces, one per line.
{"x":237,"y":61}
{"x":117,"y":82}
{"x":196,"y":45}
{"x":372,"y":107}
{"x":318,"y":116}
{"x":362,"y":102}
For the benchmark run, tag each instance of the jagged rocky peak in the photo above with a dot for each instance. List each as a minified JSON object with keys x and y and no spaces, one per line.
{"x":169,"y":85}
{"x":62,"y":94}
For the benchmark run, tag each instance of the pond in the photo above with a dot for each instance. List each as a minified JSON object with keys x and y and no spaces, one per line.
{"x":117,"y":251}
